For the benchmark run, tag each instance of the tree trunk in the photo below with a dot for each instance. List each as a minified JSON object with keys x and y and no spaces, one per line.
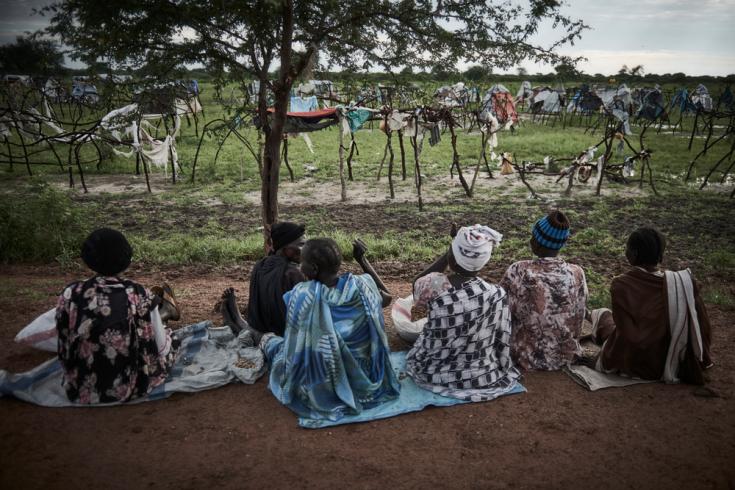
{"x":273,"y":128}
{"x":271,"y":169}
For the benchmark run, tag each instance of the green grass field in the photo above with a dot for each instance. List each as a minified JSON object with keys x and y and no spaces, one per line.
{"x":215,"y":220}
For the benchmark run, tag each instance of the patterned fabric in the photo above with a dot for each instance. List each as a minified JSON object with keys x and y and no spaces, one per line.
{"x":428,"y":287}
{"x":547,"y":303}
{"x":107,"y":345}
{"x":473,"y":246}
{"x":463,"y":351}
{"x":425,"y":290}
{"x":333,"y":359}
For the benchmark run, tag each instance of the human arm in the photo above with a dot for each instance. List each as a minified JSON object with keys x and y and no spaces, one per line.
{"x":509,"y":278}
{"x":442,"y":262}
{"x":292,"y":277}
{"x":62,"y":324}
{"x":358,"y":251}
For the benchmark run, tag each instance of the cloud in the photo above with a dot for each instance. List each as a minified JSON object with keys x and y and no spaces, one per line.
{"x":608,"y":62}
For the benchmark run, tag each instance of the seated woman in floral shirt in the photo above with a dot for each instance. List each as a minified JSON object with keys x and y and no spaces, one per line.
{"x":547,"y":297}
{"x":112,"y":343}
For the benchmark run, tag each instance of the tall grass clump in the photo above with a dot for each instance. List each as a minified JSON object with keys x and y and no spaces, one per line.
{"x":44,"y":225}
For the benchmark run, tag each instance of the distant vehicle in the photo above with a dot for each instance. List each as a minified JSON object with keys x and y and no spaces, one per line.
{"x":83,"y":91}
{"x":22,"y":79}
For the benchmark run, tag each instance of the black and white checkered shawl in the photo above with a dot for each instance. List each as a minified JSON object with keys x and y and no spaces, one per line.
{"x":463,"y":351}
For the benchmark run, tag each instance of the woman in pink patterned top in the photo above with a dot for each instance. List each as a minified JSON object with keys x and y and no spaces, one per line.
{"x":547,"y":298}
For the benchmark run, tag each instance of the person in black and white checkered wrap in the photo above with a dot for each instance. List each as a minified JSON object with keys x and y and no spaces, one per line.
{"x":463,"y":351}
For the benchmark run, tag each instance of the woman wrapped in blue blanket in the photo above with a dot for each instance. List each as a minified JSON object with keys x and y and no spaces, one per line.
{"x":333,"y":359}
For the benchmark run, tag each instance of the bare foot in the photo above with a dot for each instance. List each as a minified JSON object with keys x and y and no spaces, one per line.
{"x":232,"y":317}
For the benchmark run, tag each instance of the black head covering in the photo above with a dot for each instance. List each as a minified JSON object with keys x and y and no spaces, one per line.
{"x":284,"y":233}
{"x":107,"y":252}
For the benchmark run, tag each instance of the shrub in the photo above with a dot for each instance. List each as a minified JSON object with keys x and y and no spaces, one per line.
{"x":46,"y":225}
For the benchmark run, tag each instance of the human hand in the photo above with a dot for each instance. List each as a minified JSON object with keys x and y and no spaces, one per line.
{"x":453,"y":230}
{"x":359,"y":249}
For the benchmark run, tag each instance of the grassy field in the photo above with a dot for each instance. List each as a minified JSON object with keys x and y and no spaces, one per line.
{"x":215,"y":220}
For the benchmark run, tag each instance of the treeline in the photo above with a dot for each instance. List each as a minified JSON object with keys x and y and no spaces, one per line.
{"x":41,"y":58}
{"x":471,"y":77}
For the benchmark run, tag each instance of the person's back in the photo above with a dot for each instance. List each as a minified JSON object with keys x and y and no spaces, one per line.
{"x":462,"y":352}
{"x":334,"y":358}
{"x":639,"y":342}
{"x":273,"y":276}
{"x":107,"y":343}
{"x":547,"y":298}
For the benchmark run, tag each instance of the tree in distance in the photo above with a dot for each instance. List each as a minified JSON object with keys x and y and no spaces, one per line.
{"x":31,"y":56}
{"x":478,"y":73}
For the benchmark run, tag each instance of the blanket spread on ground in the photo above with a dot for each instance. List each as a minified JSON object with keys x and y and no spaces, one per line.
{"x":595,"y":380}
{"x":207,"y":359}
{"x":412,"y":399}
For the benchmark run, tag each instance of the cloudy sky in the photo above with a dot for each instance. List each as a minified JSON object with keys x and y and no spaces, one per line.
{"x":696,"y":37}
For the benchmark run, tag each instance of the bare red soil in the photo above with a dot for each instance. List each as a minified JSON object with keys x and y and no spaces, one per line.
{"x":556,"y":435}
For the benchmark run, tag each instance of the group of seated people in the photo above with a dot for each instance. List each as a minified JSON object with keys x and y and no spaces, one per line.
{"x":323,"y":334}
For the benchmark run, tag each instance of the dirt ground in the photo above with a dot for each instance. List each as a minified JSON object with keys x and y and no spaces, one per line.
{"x":556,"y":435}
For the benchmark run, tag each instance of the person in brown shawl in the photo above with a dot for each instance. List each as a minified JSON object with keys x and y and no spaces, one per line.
{"x":636,"y":336}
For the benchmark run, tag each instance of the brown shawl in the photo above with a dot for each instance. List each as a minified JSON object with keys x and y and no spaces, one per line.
{"x":639,"y":344}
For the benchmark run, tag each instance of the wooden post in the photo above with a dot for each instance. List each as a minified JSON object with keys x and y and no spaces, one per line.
{"x":353,"y":148}
{"x":455,"y":160}
{"x":417,"y":169}
{"x":484,"y":157}
{"x":342,"y":183}
{"x":650,"y":175}
{"x":610,"y":134}
{"x":79,"y":166}
{"x":145,"y":171}
{"x":382,"y":161}
{"x":10,"y":152}
{"x":170,"y":151}
{"x":25,"y":153}
{"x":716,"y":166}
{"x":390,"y":165}
{"x":403,"y":155}
{"x":479,"y":160}
{"x":285,"y":156}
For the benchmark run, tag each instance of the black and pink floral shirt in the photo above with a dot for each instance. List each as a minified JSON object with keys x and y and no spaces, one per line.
{"x":107,"y":345}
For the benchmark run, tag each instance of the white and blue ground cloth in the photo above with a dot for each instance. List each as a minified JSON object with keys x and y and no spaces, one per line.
{"x":206,"y":359}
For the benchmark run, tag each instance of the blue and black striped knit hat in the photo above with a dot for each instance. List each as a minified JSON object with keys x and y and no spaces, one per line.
{"x":552,"y":230}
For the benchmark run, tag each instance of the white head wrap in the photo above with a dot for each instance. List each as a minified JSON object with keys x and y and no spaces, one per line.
{"x":473,"y":246}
